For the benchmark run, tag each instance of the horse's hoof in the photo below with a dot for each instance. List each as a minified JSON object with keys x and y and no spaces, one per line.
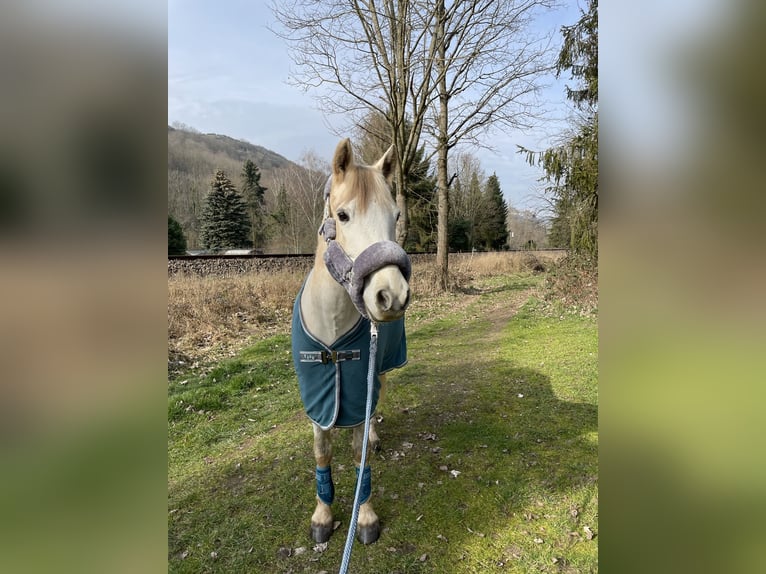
{"x":320,"y":532}
{"x":375,"y":445}
{"x":368,"y":534}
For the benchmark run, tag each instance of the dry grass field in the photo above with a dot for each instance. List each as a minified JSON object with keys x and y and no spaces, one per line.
{"x":210,"y":318}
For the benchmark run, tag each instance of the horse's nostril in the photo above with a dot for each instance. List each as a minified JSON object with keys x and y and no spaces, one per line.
{"x":384,"y":299}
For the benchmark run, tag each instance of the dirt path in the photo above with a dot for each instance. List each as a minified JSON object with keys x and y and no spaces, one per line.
{"x":503,"y":309}
{"x":499,"y":305}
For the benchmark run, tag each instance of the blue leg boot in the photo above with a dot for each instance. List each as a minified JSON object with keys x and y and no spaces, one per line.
{"x":326,"y":493}
{"x":368,"y":533}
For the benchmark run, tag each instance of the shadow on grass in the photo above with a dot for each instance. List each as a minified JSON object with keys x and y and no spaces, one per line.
{"x":514,"y":445}
{"x":512,"y":442}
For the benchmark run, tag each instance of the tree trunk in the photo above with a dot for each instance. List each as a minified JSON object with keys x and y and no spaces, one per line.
{"x":399,"y":37}
{"x":402,"y":226}
{"x":442,"y":244}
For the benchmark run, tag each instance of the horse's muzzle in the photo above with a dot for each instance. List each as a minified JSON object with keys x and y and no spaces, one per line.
{"x":386,"y":294}
{"x":390,"y":297}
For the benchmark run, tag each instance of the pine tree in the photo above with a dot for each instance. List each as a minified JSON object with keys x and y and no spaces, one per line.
{"x":254,"y":194}
{"x":225,"y":224}
{"x":466,"y":203}
{"x":458,"y":235}
{"x":419,"y":194}
{"x":459,"y":227}
{"x":421,"y":234}
{"x":560,"y":230}
{"x":475,"y":201}
{"x":176,"y":239}
{"x":280,"y":219}
{"x":571,"y":168}
{"x":492,"y":230}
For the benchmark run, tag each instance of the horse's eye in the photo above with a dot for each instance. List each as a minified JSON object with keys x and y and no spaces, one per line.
{"x":398,"y":215}
{"x":343,"y":216}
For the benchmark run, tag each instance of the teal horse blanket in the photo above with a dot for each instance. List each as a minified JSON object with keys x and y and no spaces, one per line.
{"x":333,"y":380}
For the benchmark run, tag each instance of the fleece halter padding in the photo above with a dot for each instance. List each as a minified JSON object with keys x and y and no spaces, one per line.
{"x":351,"y":273}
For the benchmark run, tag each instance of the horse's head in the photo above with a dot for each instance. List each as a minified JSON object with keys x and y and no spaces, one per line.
{"x":363,"y":256}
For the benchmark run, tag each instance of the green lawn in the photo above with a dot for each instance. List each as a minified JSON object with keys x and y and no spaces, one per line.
{"x":504,"y":397}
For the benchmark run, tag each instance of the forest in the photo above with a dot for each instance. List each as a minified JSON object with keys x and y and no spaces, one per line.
{"x":281,"y":200}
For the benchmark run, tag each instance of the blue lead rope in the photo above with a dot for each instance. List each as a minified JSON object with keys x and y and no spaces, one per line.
{"x":363,"y":463}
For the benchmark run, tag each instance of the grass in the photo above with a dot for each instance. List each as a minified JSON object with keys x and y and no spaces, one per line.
{"x":496,"y":390}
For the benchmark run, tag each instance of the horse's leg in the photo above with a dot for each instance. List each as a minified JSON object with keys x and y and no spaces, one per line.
{"x":368,"y":526}
{"x":321,"y":520}
{"x":374,"y":438}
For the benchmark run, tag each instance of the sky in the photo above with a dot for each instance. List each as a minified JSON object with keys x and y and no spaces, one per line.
{"x":227,"y":74}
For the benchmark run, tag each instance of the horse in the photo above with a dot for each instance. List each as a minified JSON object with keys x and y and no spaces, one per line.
{"x":360,"y":276}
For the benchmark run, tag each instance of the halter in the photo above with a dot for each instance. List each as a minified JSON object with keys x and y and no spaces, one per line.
{"x":351,"y":273}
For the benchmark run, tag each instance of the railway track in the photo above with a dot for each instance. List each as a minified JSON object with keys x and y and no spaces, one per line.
{"x":221,"y":265}
{"x":298,"y":256}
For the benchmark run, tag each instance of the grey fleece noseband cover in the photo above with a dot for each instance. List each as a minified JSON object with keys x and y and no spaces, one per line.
{"x":351,"y":273}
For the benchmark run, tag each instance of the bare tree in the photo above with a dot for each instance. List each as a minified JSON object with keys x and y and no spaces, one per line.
{"x":488,"y":68}
{"x":298,"y":201}
{"x":366,"y":56}
{"x":466,"y":199}
{"x":451,"y":70}
{"x":372,"y":137}
{"x":525,"y":230}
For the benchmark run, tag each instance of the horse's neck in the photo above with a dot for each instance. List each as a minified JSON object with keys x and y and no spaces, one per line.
{"x":326,"y":308}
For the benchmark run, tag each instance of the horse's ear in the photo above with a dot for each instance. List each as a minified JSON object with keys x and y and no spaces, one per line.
{"x":386,"y":163}
{"x":343,"y":159}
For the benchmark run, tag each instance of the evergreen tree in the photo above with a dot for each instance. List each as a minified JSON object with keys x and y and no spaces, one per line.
{"x":560,"y":231}
{"x":254,"y":194}
{"x":476,"y":203}
{"x":279,"y":221}
{"x":281,"y":211}
{"x":176,"y":239}
{"x":466,"y":204}
{"x":458,"y":234}
{"x":419,"y":227}
{"x":492,"y":230}
{"x":571,"y":168}
{"x":421,"y":187}
{"x":225,"y":224}
{"x":459,"y":227}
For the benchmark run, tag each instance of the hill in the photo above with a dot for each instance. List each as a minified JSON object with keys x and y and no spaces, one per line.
{"x":194,"y":157}
{"x":215,"y":147}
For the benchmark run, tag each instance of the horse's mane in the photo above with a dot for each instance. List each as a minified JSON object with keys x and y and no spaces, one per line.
{"x":363,"y":183}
